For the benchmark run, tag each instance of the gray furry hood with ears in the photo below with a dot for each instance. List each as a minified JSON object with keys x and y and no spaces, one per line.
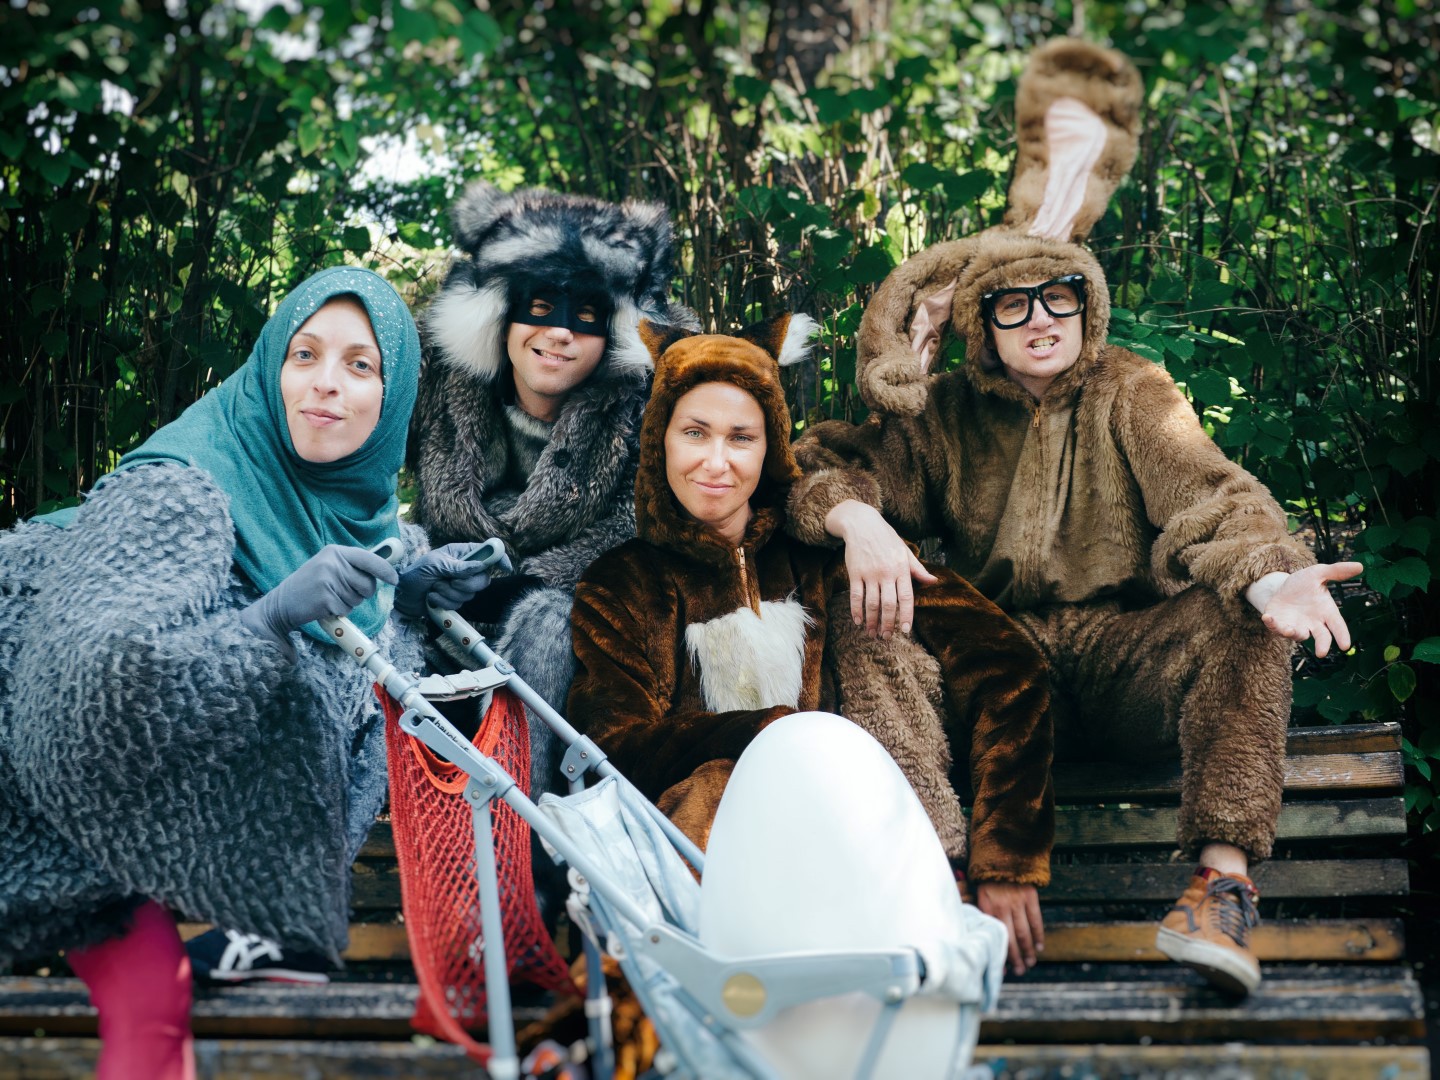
{"x":623,"y":250}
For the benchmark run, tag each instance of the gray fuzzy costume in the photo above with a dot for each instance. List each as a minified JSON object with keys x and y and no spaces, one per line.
{"x":152,"y":746}
{"x":557,"y":494}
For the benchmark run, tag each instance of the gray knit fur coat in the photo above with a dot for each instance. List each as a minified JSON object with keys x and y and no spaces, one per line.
{"x":152,"y":746}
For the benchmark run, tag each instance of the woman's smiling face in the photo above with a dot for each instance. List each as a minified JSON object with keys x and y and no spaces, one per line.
{"x":715,"y":454}
{"x":331,"y":382}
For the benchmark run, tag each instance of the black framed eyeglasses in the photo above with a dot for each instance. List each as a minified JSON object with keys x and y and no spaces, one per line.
{"x":1061,"y":297}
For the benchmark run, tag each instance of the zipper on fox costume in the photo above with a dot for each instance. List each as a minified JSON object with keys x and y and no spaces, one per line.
{"x":750,"y":598}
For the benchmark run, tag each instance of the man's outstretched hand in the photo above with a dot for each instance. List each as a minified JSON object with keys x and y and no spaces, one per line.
{"x":1302,"y":607}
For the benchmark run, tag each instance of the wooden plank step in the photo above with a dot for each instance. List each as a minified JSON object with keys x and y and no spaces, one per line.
{"x":1343,"y":739}
{"x":1225,"y":1060}
{"x":1277,"y":879}
{"x":1113,"y":826}
{"x":1323,"y":940}
{"x":339,"y":1010}
{"x":377,"y":886}
{"x":1105,"y":781}
{"x":1371,"y":941}
{"x":253,"y":1059}
{"x":1171,"y":1005}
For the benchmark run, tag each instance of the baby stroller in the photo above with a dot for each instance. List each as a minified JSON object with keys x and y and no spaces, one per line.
{"x":634,"y":896}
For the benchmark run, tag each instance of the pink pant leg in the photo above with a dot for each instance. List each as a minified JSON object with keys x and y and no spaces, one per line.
{"x":140,"y":985}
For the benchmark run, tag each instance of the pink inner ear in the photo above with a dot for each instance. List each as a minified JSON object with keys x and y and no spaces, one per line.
{"x":929,"y":323}
{"x":1076,"y":139}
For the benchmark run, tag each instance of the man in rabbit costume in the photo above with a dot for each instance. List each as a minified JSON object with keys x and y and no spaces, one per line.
{"x":1071,"y":482}
{"x":527,"y":422}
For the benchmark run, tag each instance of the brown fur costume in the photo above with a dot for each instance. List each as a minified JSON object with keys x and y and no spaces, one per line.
{"x":687,"y":646}
{"x":1101,"y":514}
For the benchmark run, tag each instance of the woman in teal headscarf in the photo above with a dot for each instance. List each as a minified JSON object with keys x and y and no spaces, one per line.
{"x":168,"y":740}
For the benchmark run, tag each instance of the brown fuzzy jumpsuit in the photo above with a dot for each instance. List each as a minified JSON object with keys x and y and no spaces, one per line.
{"x":1112,"y":528}
{"x":687,"y":645}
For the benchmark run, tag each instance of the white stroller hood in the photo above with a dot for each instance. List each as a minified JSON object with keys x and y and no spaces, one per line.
{"x":820,"y":851}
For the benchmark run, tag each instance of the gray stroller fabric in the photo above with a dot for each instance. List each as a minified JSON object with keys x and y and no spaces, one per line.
{"x":614,"y":830}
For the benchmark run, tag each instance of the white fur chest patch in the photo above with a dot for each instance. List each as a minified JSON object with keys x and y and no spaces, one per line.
{"x":750,"y":661}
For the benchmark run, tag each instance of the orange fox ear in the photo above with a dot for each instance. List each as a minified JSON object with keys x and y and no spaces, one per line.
{"x":643,"y":344}
{"x":786,"y":337}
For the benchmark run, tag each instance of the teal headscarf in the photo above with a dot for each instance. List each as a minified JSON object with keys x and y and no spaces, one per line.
{"x":285,"y":508}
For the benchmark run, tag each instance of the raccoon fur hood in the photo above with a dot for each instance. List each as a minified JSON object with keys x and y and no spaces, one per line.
{"x":688,"y":645}
{"x":557,"y":494}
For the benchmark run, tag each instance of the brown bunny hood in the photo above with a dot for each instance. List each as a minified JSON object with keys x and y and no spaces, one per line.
{"x":1077,"y":115}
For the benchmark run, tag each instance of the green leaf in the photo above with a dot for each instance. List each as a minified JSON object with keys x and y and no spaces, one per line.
{"x":308,"y":136}
{"x":1139,"y":348}
{"x":966,"y":187}
{"x":12,"y":144}
{"x":55,"y":171}
{"x":921,"y":174}
{"x":1406,"y":459}
{"x":751,"y":90}
{"x":1392,"y":653}
{"x":1426,"y":651}
{"x":1377,"y":537}
{"x":1184,"y":348}
{"x":1210,"y":387}
{"x":356,"y":238}
{"x":1401,"y":678}
{"x":416,"y":235}
{"x":1411,"y":571}
{"x":870,"y":264}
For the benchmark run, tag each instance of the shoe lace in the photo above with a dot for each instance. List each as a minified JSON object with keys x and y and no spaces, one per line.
{"x":1234,"y":910}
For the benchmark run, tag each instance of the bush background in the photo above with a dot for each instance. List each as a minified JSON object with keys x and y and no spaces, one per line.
{"x":169,"y":170}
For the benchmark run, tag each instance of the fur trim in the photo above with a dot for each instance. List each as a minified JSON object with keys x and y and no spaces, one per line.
{"x":822,"y":488}
{"x":467,"y":324}
{"x":750,"y":661}
{"x":627,"y":351}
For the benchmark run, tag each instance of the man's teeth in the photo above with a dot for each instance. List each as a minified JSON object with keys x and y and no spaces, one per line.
{"x":1043,"y":343}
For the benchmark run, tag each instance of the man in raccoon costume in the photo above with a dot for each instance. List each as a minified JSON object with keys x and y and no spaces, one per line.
{"x":527,"y":421}
{"x":1072,"y":483}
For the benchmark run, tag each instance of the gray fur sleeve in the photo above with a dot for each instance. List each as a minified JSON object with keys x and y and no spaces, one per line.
{"x":180,"y":752}
{"x":563,"y":565}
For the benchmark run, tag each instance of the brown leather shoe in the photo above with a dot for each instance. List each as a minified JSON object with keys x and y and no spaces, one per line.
{"x":1209,"y":927}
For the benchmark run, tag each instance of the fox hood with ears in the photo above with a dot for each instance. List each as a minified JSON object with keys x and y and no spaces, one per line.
{"x":750,"y":360}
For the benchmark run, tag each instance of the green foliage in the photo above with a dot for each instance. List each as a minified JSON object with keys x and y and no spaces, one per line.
{"x":168,"y":171}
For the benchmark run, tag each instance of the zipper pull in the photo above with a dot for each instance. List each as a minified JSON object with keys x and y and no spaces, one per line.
{"x":1035,"y":419}
{"x":745,"y":583}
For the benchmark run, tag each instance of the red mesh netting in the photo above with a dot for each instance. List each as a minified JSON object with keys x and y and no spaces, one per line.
{"x":435,"y":846}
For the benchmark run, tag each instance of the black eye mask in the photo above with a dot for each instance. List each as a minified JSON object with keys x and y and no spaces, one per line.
{"x":565,"y":310}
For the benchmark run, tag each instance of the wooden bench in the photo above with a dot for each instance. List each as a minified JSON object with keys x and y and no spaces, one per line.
{"x":1337,"y":1002}
{"x":1337,"y":998}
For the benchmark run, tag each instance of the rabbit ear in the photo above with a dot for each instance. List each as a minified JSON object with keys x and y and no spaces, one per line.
{"x":932,"y":315}
{"x":1077,"y":113}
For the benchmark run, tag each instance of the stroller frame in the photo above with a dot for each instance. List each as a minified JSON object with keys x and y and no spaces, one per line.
{"x":724,"y":995}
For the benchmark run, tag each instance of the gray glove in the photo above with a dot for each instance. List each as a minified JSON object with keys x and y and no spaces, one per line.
{"x":442,"y":576}
{"x":332,"y":582}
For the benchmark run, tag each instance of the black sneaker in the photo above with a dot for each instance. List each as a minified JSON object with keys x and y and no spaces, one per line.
{"x":228,"y":956}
